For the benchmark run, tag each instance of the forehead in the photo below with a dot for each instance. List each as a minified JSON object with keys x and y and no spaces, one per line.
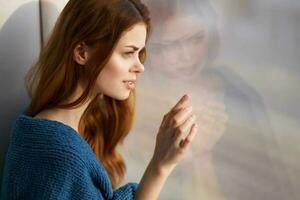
{"x":178,"y":27}
{"x":136,"y":35}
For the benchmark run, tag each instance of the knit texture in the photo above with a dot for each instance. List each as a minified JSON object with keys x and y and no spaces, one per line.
{"x":47,"y":159}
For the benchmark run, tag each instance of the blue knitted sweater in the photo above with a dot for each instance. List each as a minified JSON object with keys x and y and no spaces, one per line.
{"x":47,"y":159}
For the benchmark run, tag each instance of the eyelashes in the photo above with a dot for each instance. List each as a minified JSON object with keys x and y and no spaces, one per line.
{"x":128,"y":54}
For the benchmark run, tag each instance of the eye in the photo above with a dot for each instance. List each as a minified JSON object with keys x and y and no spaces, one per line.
{"x":128,"y":54}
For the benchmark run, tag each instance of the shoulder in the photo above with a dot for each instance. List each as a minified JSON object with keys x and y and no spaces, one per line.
{"x":50,"y":172}
{"x":40,"y":142}
{"x":50,"y":153}
{"x":50,"y":141}
{"x":47,"y":131}
{"x":42,"y":137}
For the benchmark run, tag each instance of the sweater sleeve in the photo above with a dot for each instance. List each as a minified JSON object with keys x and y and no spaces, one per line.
{"x":126,"y":192}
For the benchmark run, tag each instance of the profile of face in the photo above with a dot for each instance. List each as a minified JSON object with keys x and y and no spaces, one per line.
{"x":118,"y":77}
{"x":179,"y":46}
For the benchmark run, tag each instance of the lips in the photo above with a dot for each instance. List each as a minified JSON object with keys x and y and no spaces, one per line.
{"x":130,"y":84}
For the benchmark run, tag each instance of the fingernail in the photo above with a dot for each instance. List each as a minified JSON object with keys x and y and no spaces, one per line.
{"x":185,"y":97}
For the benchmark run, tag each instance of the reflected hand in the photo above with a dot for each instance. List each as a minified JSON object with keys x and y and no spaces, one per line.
{"x":213,"y":119}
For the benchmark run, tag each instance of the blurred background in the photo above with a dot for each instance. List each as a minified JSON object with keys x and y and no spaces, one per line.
{"x":239,"y":62}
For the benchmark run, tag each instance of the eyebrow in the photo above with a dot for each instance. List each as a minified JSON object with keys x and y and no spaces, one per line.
{"x":134,"y":47}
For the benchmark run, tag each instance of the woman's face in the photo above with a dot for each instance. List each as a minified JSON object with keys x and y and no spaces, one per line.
{"x":123,"y":65}
{"x":179,"y":46}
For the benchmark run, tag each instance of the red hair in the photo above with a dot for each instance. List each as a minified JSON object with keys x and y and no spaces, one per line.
{"x":106,"y":121}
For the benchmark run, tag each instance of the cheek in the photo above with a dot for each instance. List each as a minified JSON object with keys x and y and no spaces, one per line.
{"x":199,"y":53}
{"x":115,"y":68}
{"x":112,"y":75}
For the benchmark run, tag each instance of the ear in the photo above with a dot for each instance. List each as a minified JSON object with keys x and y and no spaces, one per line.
{"x":81,"y":53}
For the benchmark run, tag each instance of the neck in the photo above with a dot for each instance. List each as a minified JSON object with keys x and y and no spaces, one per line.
{"x":70,"y":117}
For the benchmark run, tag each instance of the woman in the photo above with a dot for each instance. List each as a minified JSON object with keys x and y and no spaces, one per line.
{"x":83,"y":96}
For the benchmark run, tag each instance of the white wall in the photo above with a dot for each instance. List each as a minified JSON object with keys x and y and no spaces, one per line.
{"x":19,"y":47}
{"x":50,"y":10}
{"x":20,"y":41}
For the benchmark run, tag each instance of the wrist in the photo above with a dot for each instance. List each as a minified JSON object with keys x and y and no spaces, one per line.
{"x":159,"y":169}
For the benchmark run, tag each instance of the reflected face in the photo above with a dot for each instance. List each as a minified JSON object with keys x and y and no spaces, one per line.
{"x":123,"y":65}
{"x":179,"y":46}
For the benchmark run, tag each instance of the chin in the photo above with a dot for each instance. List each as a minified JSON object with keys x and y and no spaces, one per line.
{"x":121,"y":97}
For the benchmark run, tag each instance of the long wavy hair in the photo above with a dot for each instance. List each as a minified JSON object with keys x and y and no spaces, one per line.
{"x":54,"y":77}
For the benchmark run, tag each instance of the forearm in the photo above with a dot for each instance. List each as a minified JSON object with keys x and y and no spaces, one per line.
{"x":152,"y":182}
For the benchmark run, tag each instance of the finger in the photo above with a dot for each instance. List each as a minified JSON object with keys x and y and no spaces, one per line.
{"x":180,"y":104}
{"x":185,"y":142}
{"x":182,"y":115}
{"x":188,"y":123}
{"x":179,"y":134}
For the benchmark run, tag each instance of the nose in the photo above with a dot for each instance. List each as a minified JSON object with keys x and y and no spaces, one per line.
{"x":138,"y":67}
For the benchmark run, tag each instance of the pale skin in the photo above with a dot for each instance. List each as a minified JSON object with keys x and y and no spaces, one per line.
{"x":178,"y":127}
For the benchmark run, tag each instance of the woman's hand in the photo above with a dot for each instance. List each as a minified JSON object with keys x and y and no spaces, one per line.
{"x":176,"y":132}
